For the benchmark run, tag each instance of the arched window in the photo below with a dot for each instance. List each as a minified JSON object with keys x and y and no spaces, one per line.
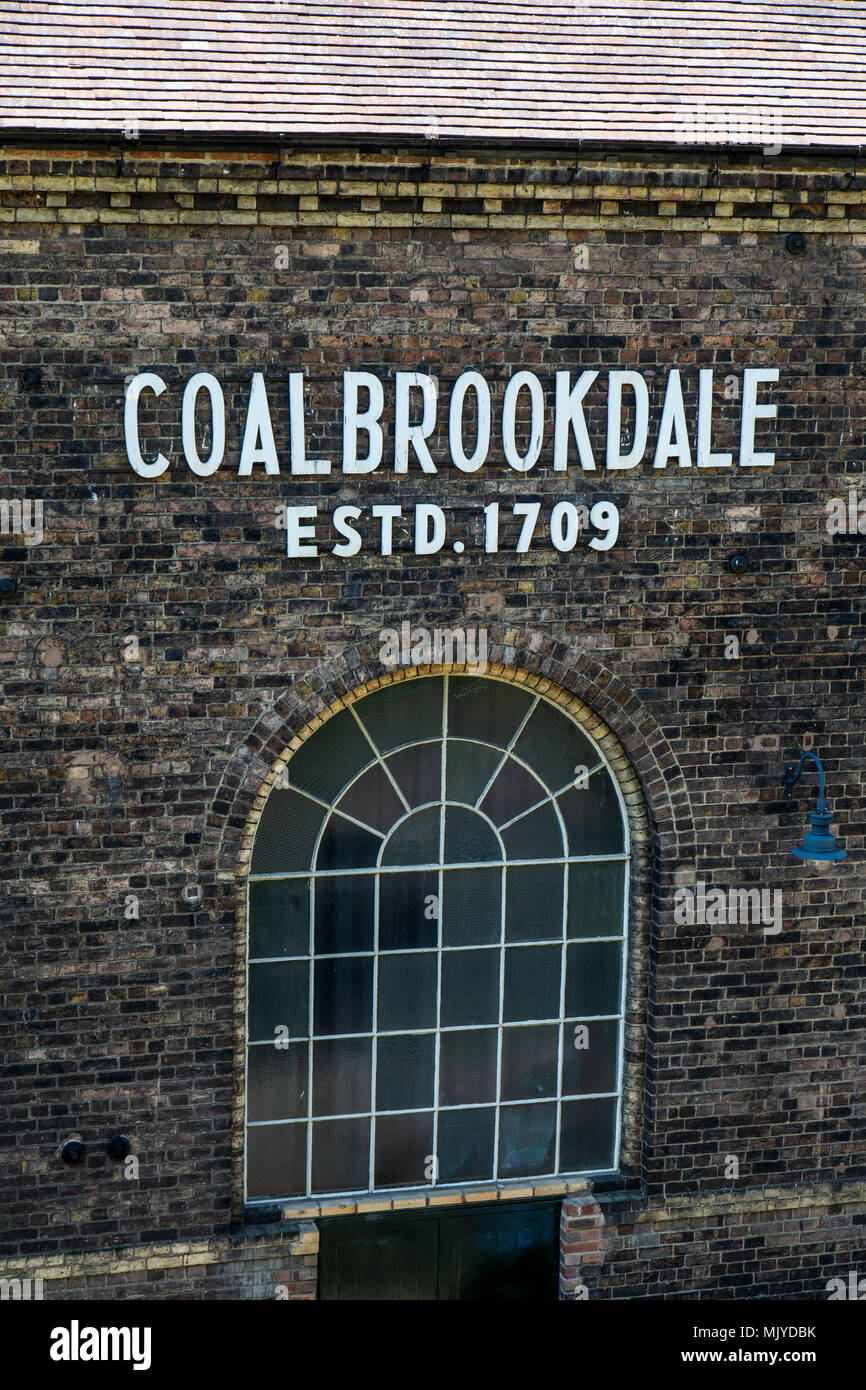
{"x":437,"y":909}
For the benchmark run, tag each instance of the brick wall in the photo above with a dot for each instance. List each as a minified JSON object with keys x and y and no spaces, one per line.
{"x":136,"y":778}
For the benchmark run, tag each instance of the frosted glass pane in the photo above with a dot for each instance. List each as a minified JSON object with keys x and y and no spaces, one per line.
{"x":276,"y":1161}
{"x":404,"y":1144}
{"x":593,"y":820}
{"x":513,"y":791}
{"x":342,"y":1076}
{"x":595,"y":899}
{"x":405,"y":712}
{"x":280,"y":918}
{"x":344,"y":914}
{"x":536,"y":836}
{"x":408,"y":911}
{"x":471,"y":907}
{"x":470,"y":987}
{"x":373,"y":800}
{"x":329,"y":758}
{"x":343,"y":995}
{"x":592,"y":1065}
{"x":467,"y":1066}
{"x":418,"y":772}
{"x":527,"y":1140}
{"x":468,"y":837}
{"x":530,"y":1061}
{"x":407,"y":992}
{"x":485,"y":709}
{"x":469,"y":767}
{"x":416,"y":839}
{"x":277,"y":1082}
{"x":278,"y":998}
{"x":533,"y":902}
{"x":341,"y":1155}
{"x":554,"y":746}
{"x":465,"y":1145}
{"x":404,"y":1071}
{"x":532,"y":982}
{"x":592,"y":978}
{"x":588,"y":1137}
{"x":345,"y":845}
{"x":286,"y":834}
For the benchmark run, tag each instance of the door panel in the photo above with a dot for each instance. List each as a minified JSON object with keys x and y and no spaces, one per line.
{"x":487,"y":1252}
{"x":506,"y":1253}
{"x":368,"y":1259}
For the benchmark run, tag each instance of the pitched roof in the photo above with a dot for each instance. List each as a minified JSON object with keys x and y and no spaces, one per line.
{"x":756,"y":71}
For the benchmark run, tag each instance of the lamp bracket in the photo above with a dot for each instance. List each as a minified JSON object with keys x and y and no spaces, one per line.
{"x":793,"y":773}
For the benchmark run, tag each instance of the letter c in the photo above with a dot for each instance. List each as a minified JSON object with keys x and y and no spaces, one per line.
{"x":144,"y":381}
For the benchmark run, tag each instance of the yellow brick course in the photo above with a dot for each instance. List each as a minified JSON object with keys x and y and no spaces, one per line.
{"x":547,"y":205}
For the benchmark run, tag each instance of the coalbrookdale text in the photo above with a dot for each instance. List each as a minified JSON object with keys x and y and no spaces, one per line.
{"x":417,"y":410}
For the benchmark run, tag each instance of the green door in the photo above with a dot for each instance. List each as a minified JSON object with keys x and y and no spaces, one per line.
{"x":502,"y":1251}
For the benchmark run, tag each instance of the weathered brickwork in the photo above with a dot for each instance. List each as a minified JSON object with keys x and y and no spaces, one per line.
{"x":248,"y":1265}
{"x":781,"y":1247}
{"x":137,"y":778}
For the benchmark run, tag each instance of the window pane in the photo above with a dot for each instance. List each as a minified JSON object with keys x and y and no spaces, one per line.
{"x":527,"y":1140}
{"x":467,"y":1066}
{"x":536,"y":836}
{"x":530,"y":1061}
{"x":277,"y":1082}
{"x":345,"y":845}
{"x":408,"y":916}
{"x":405,"y":712}
{"x":325,"y":763}
{"x":342,"y":1074}
{"x":592,"y":979}
{"x":485,"y":709}
{"x":418,"y":772}
{"x":276,"y":1161}
{"x":404,"y":1147}
{"x":280,"y":918}
{"x":465,"y":1145}
{"x":595,"y":899}
{"x":341,"y":1155}
{"x":513,"y":792}
{"x":554,"y":746}
{"x":591,"y":1065}
{"x":407,"y":992}
{"x":468,"y":838}
{"x":279,"y":999}
{"x":373,"y":800}
{"x":416,"y":839}
{"x":469,"y":767}
{"x":588,"y":1135}
{"x":532,"y":978}
{"x":533,"y":902}
{"x":593,"y":820}
{"x":344,"y":913}
{"x":470,"y":987}
{"x":404,"y":1071}
{"x":343,"y":995}
{"x":286,"y":834}
{"x":471,"y":907}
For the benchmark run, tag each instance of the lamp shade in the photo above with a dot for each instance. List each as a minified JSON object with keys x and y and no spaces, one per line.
{"x":818,"y":843}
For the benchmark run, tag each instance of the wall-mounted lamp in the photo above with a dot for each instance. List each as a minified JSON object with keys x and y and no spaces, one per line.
{"x":818,"y":843}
